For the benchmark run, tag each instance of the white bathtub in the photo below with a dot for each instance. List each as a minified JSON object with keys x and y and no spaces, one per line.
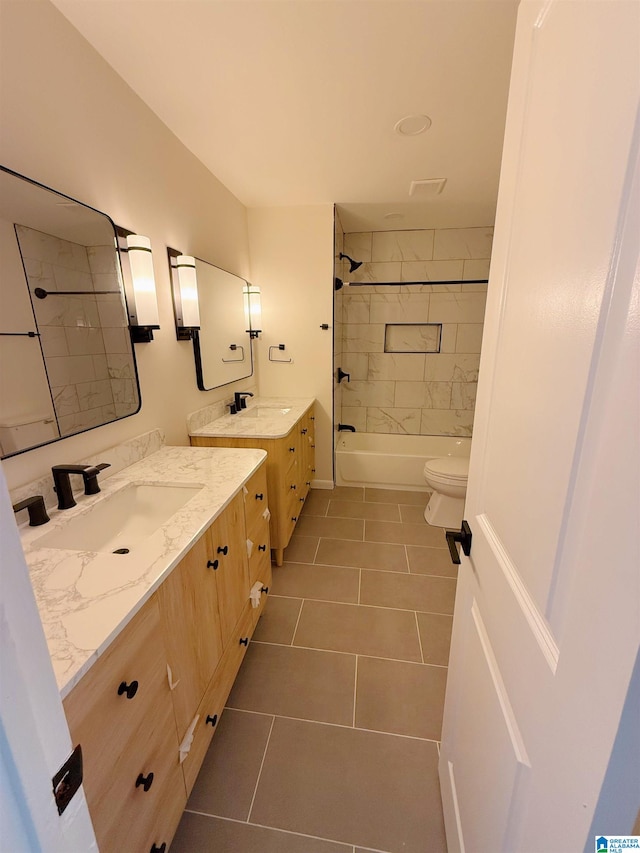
{"x":391,"y":461}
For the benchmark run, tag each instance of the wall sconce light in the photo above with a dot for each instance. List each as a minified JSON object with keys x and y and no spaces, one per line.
{"x":252,"y":309}
{"x":139,"y":285}
{"x":185,"y":294}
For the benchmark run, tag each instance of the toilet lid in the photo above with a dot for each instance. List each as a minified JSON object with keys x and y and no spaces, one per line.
{"x":452,"y":467}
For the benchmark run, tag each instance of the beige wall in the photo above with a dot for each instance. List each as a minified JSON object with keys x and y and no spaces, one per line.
{"x":68,"y":121}
{"x":292,"y":261}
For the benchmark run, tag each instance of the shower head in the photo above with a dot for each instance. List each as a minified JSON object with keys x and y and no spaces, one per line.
{"x":353,"y":265}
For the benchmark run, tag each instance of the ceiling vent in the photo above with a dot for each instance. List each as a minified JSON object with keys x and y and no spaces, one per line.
{"x":428,"y":187}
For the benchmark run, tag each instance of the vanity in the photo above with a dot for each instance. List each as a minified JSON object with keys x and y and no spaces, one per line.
{"x":284,"y":427}
{"x":147,"y":628}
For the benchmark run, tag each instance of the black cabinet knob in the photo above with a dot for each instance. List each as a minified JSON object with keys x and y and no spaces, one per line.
{"x":303,"y":432}
{"x":145,"y":781}
{"x":292,"y":450}
{"x":265,"y":589}
{"x":244,"y":641}
{"x":294,"y":518}
{"x":211,"y":720}
{"x":293,"y":486}
{"x":129,"y":690}
{"x":260,"y":496}
{"x":161,"y":849}
{"x":301,"y":500}
{"x":262,"y":547}
{"x":213,"y":564}
{"x":223,"y":550}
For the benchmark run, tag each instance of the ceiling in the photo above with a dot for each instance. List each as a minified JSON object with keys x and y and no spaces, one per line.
{"x":294,"y":102}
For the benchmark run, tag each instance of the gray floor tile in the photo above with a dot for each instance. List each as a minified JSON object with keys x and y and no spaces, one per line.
{"x":328,"y":583}
{"x":435,"y":636}
{"x":364,"y":788}
{"x":400,"y":698}
{"x":294,"y":682}
{"x":336,"y":528}
{"x":431,"y":561}
{"x":301,"y":549}
{"x":347,"y":493}
{"x":370,"y":555}
{"x":203,"y":834}
{"x":348,"y":628}
{"x":396,"y":496}
{"x":410,"y":592}
{"x":362,"y":509}
{"x":412,"y":514}
{"x":317,"y":502}
{"x":278,"y":620}
{"x":227,"y":780}
{"x":407,"y":534}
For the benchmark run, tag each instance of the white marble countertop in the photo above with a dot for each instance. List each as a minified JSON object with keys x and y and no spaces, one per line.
{"x":264,"y":417}
{"x":86,"y":598}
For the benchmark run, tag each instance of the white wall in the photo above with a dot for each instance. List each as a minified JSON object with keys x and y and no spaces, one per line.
{"x":292,"y":261}
{"x":70,"y":122}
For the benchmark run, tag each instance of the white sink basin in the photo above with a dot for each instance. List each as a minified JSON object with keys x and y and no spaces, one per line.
{"x":264,"y":412}
{"x":121,"y":520}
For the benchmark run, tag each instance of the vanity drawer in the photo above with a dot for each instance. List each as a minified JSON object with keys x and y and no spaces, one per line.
{"x":265,"y":578}
{"x":256,"y":499}
{"x":260,"y":557}
{"x":216,"y":696}
{"x":98,"y":710}
{"x":125,"y":815}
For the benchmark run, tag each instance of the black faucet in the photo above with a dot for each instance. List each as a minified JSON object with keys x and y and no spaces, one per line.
{"x":62,"y":483}
{"x":36,"y":508}
{"x":240,"y":399}
{"x":346,"y":428}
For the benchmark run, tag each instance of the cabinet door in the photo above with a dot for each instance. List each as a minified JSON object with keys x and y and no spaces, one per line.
{"x":188,"y":601}
{"x":121,"y":714}
{"x":229,"y":547}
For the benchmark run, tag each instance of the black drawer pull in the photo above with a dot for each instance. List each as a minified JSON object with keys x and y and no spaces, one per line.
{"x":160,"y":849}
{"x":223,"y":550}
{"x":265,"y":589}
{"x":145,"y":781}
{"x":292,"y":450}
{"x":213,"y":564}
{"x":303,"y":431}
{"x":308,"y":483}
{"x":244,"y":641}
{"x":260,"y":497}
{"x":211,"y":720}
{"x":312,"y":418}
{"x":293,"y":486}
{"x":262,"y":547}
{"x":302,"y":500}
{"x":294,"y":518}
{"x":129,"y":690}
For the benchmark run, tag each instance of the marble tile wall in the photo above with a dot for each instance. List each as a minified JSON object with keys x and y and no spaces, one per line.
{"x":85,"y":339}
{"x":414,"y":393}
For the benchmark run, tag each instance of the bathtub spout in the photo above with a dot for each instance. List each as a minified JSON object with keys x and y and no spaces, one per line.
{"x":346,"y":428}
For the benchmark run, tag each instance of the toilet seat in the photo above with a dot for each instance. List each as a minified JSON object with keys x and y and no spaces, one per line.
{"x":452,"y":468}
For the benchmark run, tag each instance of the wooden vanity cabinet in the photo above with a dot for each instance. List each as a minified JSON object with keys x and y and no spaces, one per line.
{"x":290,"y":470}
{"x":122,"y":714}
{"x":163,"y":682}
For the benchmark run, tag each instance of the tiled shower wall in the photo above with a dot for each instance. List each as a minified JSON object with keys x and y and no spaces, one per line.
{"x":85,"y":340}
{"x":415,"y":392}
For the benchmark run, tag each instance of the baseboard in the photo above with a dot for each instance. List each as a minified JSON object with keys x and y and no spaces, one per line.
{"x":322,"y":484}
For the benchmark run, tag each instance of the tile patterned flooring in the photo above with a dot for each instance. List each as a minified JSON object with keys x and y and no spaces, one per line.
{"x":329,"y":742}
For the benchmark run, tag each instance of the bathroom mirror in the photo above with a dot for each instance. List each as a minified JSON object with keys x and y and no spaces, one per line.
{"x":66,"y":359}
{"x":222,"y":347}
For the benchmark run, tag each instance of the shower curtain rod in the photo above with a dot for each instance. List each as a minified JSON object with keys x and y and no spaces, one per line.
{"x":396,"y":283}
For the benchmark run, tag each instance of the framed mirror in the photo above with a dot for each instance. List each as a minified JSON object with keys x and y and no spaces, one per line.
{"x":222,"y":347}
{"x":66,"y":360}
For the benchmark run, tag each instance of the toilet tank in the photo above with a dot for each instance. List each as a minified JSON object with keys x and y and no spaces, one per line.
{"x":26,"y":431}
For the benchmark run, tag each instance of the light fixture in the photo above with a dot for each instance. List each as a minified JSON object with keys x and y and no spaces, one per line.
{"x":353,"y":265}
{"x":184,"y":285}
{"x":139,"y":285}
{"x":252,"y":309}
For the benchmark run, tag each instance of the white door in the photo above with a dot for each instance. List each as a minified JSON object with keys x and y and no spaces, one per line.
{"x":547,"y":622}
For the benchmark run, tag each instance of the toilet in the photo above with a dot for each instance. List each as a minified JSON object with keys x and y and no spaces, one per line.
{"x":447,"y":477}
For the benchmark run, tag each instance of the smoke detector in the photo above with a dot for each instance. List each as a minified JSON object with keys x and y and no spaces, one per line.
{"x":427,"y":187}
